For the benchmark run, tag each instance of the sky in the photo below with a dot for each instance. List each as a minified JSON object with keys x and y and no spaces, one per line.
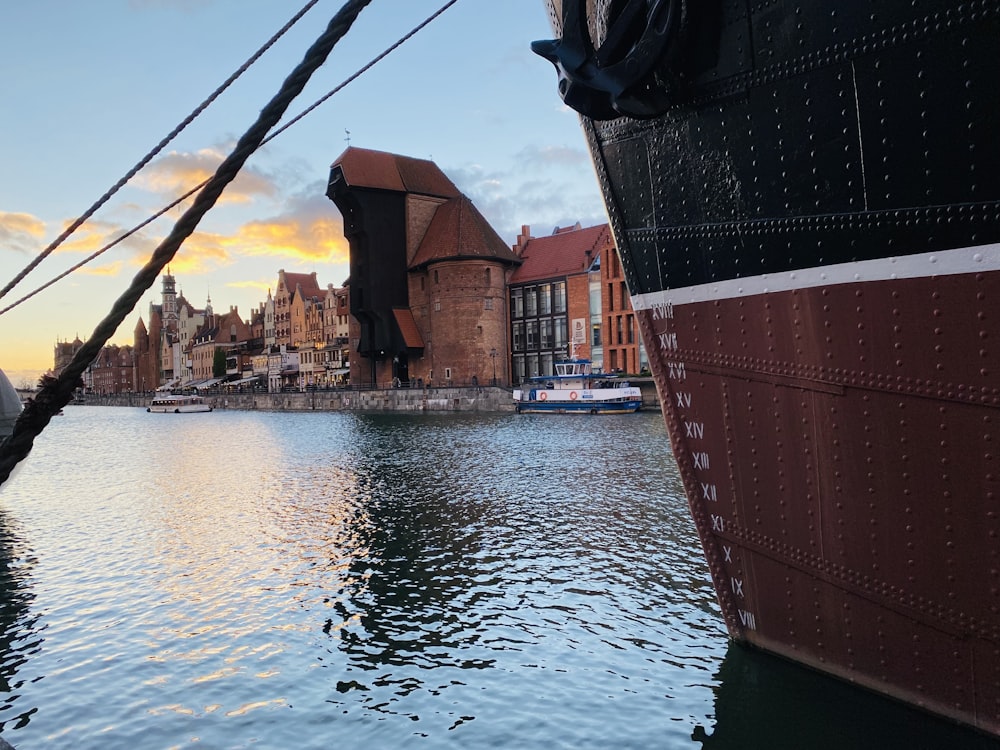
{"x":88,"y":88}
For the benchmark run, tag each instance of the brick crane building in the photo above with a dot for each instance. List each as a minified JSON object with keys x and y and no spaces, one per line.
{"x":428,"y":274}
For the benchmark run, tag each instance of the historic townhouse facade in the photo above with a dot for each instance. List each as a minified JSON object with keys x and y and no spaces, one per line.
{"x":569,"y":299}
{"x":113,"y":371}
{"x":549,"y":297}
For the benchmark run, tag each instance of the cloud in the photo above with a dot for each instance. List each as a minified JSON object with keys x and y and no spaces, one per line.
{"x":261,"y":286}
{"x":310,"y":229}
{"x":538,"y":197}
{"x":178,"y":172}
{"x":534,"y":157}
{"x":21,"y":232}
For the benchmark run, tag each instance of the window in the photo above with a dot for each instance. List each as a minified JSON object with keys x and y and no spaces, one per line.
{"x":488,"y":303}
{"x":517,"y":303}
{"x":532,"y":365}
{"x":611,"y":296}
{"x":546,"y":329}
{"x":595,"y":334}
{"x":561,"y":333}
{"x":486,"y":273}
{"x":518,"y":367}
{"x":436,"y":280}
{"x":559,"y":294}
{"x":530,"y":301}
{"x":618,"y":329}
{"x":630,"y":328}
{"x":624,"y":294}
{"x":545,"y":299}
{"x":447,"y":373}
{"x":545,"y":365}
{"x":518,"y":337}
{"x":532,"y":334}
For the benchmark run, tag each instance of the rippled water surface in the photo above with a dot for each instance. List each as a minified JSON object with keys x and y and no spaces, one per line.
{"x":246,"y":579}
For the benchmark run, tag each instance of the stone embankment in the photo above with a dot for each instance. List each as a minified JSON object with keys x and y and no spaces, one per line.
{"x":468,"y":399}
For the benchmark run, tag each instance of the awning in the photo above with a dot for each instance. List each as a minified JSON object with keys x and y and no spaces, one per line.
{"x":341,"y":371}
{"x":408,"y":328}
{"x":207,"y":383}
{"x":169,"y":386}
{"x":243,"y":381}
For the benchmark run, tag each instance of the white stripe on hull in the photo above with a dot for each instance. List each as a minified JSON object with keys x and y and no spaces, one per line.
{"x":979,"y":259}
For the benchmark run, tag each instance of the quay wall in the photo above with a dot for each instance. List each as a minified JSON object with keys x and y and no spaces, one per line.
{"x":464,"y":399}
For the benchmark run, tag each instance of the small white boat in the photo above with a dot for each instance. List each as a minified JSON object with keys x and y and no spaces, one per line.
{"x":575,"y":389}
{"x":178,"y":404}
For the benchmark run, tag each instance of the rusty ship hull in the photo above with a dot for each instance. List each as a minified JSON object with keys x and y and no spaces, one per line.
{"x":806,"y":200}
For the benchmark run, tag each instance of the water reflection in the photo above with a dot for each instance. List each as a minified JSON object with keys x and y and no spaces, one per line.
{"x":769,"y":702}
{"x":301,"y":580}
{"x":20,"y":635}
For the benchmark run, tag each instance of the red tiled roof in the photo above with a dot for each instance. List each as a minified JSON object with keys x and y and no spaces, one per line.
{"x":408,"y":328}
{"x":458,"y":230}
{"x":309,"y":285}
{"x":562,"y":254}
{"x":384,"y":171}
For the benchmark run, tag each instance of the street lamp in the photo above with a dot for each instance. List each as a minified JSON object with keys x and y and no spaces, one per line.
{"x":493,"y":356}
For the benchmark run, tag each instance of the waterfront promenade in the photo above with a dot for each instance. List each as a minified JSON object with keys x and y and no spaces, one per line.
{"x":427,"y":399}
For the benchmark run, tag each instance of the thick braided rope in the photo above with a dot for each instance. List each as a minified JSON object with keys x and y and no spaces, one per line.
{"x":57,"y":392}
{"x":148,"y":157}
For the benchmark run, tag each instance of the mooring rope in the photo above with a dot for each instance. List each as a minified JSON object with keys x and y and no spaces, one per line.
{"x":56,"y":392}
{"x":97,"y":253}
{"x":146,"y":159}
{"x":146,"y":222}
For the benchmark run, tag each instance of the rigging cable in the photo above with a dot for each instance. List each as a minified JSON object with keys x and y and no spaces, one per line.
{"x":156,"y":149}
{"x":57,"y":391}
{"x":350,"y":79}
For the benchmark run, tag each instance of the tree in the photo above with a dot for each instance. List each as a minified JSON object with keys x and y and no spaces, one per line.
{"x":219,"y":364}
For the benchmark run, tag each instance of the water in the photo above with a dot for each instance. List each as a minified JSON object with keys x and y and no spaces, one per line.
{"x":271,"y":580}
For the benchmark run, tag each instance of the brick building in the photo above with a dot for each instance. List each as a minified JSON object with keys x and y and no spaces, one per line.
{"x":112,"y":371}
{"x":428,"y":274}
{"x":294,"y":297}
{"x":622,"y":349}
{"x":550,"y":297}
{"x":569,"y":299}
{"x":227,"y":332}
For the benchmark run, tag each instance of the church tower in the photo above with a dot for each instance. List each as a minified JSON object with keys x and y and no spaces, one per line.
{"x":169,"y":302}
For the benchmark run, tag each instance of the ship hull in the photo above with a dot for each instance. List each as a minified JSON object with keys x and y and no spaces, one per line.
{"x":845,"y":493}
{"x":809,"y":232}
{"x":577,"y":407}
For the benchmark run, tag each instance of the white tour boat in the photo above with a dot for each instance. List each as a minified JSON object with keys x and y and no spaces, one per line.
{"x":178,"y":404}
